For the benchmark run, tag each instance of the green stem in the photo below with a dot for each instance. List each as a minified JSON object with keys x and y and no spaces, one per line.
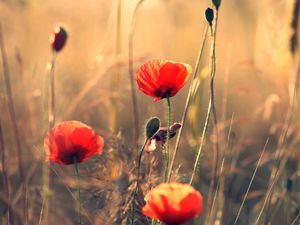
{"x":78,"y":189}
{"x":167,"y":147}
{"x":187,"y":104}
{"x":137,"y":181}
{"x":201,"y":143}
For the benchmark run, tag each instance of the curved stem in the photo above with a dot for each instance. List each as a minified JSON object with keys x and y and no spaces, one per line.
{"x":131,"y":75}
{"x":196,"y":164}
{"x":216,"y":157}
{"x":47,"y":175}
{"x":211,"y":105}
{"x":137,"y":181}
{"x":78,"y":189}
{"x":187,"y":103}
{"x":167,"y":147}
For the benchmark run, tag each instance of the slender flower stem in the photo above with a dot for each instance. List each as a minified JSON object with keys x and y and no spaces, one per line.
{"x":139,"y":160}
{"x":216,"y":157}
{"x":211,"y":105}
{"x":196,"y":164}
{"x":52,"y":92}
{"x":13,"y":120}
{"x":187,"y":103}
{"x":78,"y":190}
{"x":167,"y":147}
{"x":131,"y":75}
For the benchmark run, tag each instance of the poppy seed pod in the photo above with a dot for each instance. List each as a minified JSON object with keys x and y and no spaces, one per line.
{"x":217,"y":3}
{"x":58,"y":38}
{"x":209,"y":15}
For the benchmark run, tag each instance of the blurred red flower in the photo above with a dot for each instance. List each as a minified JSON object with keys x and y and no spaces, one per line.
{"x":58,"y":38}
{"x":173,"y":203}
{"x":162,"y":78}
{"x":72,"y":140}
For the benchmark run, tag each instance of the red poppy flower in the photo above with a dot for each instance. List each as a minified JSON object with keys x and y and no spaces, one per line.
{"x":72,"y":140}
{"x":162,"y":78}
{"x":58,"y":38}
{"x":173,"y":203}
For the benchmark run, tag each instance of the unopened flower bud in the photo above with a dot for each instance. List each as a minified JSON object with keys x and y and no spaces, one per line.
{"x":152,"y":127}
{"x":58,"y":38}
{"x":217,"y":3}
{"x":209,"y":15}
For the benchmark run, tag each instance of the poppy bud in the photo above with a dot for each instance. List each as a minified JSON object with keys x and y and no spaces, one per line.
{"x":217,"y":3}
{"x":152,"y":127}
{"x":58,"y":38}
{"x":209,"y":15}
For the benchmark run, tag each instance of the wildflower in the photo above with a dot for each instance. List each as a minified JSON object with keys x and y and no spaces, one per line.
{"x":173,"y":203}
{"x":161,"y":136}
{"x":72,"y":140}
{"x":162,"y":78}
{"x":58,"y":38}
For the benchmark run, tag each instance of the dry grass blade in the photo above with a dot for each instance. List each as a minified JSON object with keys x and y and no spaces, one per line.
{"x":296,"y":218}
{"x":251,"y":181}
{"x":131,"y":75}
{"x":218,"y":186}
{"x":275,"y":173}
{"x":187,"y":103}
{"x":13,"y":120}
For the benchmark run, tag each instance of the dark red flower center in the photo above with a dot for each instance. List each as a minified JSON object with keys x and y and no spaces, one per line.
{"x":75,"y":153}
{"x":165,"y":90}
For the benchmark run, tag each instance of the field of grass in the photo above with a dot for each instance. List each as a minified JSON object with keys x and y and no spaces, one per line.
{"x":235,"y":98}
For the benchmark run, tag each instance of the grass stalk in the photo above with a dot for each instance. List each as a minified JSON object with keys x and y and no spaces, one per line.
{"x":167,"y":147}
{"x":131,"y":77}
{"x":115,"y":80}
{"x":47,"y":175}
{"x":13,"y":120}
{"x":211,"y":107}
{"x":296,"y":219}
{"x":276,"y":170}
{"x":187,"y":103}
{"x":139,"y":161}
{"x":250,"y":183}
{"x":78,"y":190}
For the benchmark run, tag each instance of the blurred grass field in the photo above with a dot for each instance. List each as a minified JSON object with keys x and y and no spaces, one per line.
{"x":255,"y":79}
